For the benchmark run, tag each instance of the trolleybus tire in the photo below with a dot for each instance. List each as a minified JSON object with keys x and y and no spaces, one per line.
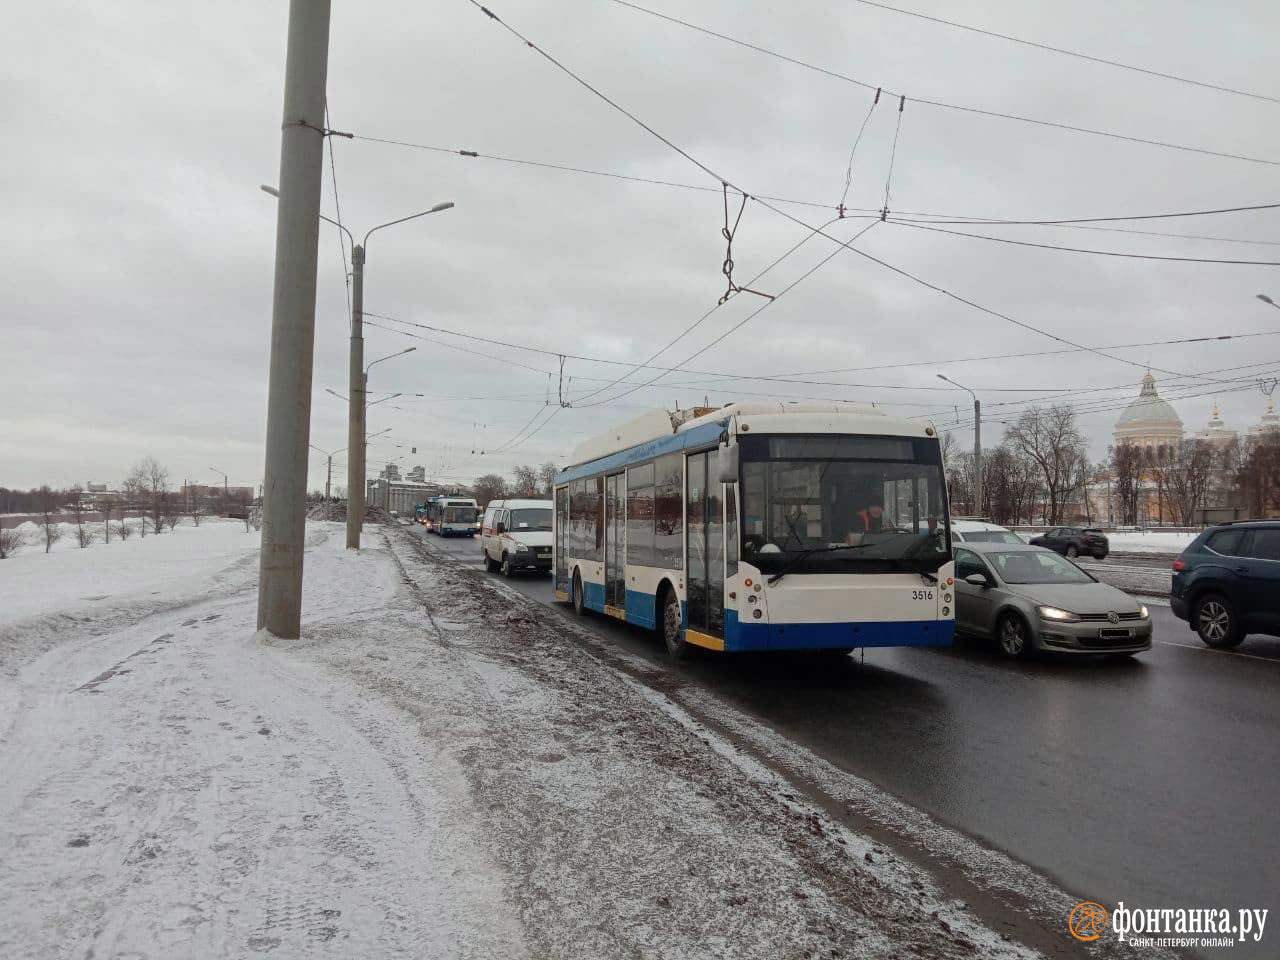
{"x":672,"y":628}
{"x":579,"y":602}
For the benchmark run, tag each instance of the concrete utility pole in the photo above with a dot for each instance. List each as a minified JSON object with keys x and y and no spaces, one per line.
{"x":356,"y":403}
{"x":357,"y":378}
{"x":293,"y":319}
{"x":977,"y":444}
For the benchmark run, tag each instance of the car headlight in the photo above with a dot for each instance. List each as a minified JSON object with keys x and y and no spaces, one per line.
{"x":1144,"y":612}
{"x":1053,"y":613}
{"x":521,"y":548}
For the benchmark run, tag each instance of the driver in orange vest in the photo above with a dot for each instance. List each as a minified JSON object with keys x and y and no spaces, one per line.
{"x":870,"y":519}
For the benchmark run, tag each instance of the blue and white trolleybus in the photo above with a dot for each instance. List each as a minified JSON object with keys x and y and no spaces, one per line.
{"x":761,"y":527}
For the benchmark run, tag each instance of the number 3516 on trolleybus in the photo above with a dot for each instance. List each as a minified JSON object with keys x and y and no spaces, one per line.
{"x":761,"y":527}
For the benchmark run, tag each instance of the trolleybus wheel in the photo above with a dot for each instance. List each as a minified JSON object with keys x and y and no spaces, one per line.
{"x":672,"y":628}
{"x":579,"y":603}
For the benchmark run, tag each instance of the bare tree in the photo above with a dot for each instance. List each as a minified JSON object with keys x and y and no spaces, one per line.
{"x":157,"y":484}
{"x":489,"y":487}
{"x":47,"y":502}
{"x":75,"y":499}
{"x":134,"y":489}
{"x":1050,"y":438}
{"x":1126,"y":469}
{"x":1189,"y":477}
{"x":169,"y":510}
{"x":547,"y":474}
{"x":124,"y":530}
{"x":196,"y":511}
{"x":1260,"y":476}
{"x":524,"y":480}
{"x":11,"y":541}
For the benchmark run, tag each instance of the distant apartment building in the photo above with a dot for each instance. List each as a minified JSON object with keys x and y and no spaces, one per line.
{"x":417,"y":475}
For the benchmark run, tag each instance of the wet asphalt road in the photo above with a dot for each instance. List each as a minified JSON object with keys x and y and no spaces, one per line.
{"x":1154,"y":781}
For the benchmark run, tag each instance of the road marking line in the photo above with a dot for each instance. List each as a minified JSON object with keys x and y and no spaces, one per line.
{"x":1230,"y":653}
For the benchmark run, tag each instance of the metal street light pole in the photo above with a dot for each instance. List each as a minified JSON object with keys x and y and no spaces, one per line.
{"x":356,"y":410}
{"x":977,"y":444}
{"x":224,"y":489}
{"x":293,"y":319}
{"x":328,"y":476}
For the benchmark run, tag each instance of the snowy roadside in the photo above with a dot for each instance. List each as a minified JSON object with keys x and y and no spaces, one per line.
{"x":435,"y":769}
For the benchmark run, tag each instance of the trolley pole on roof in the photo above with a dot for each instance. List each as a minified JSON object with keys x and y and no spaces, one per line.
{"x":293,"y":319}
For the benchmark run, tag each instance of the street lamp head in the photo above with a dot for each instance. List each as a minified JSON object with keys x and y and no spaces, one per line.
{"x":447,"y":205}
{"x":943,"y":377}
{"x":1265,"y":299}
{"x":408,"y":349}
{"x":271,"y":190}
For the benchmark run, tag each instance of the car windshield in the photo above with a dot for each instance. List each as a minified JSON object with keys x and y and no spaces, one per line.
{"x":1036,"y":566}
{"x":531,"y":518}
{"x":993,"y":536}
{"x":806,"y":494}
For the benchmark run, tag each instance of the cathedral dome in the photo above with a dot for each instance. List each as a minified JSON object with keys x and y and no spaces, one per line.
{"x":1148,"y":409}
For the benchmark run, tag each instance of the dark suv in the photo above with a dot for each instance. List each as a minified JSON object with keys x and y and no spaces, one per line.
{"x":1074,"y":542}
{"x":1227,"y":583}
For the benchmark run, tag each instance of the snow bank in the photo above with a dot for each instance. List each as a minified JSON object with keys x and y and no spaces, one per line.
{"x":33,"y":583}
{"x":1152,"y":541}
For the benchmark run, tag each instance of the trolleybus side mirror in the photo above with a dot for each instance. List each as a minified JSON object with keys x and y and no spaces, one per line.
{"x":727,"y":464}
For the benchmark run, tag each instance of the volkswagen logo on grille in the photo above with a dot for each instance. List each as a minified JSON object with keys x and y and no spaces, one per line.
{"x":1113,"y":617}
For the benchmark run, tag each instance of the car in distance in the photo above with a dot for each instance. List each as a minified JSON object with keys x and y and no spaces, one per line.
{"x":1226,"y":583}
{"x":1074,"y":542}
{"x":516,"y":535}
{"x":981,"y":530}
{"x":1028,"y":598}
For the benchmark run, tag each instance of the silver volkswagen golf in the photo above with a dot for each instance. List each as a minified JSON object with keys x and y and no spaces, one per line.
{"x":1029,"y":598}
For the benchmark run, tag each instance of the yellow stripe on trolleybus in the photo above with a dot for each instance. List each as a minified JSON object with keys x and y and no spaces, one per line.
{"x":617,"y":612}
{"x":703,"y":640}
{"x":562,"y":595}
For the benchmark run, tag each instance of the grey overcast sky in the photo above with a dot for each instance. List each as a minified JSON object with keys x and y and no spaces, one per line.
{"x":139,"y":251}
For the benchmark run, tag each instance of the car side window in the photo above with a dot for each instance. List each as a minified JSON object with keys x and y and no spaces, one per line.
{"x":968,"y":563}
{"x":1265,"y":545}
{"x":1226,"y":543}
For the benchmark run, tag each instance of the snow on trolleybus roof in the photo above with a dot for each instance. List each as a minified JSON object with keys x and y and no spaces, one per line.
{"x":833,"y":417}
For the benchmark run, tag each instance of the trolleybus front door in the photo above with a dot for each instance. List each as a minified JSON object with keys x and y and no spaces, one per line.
{"x":705,"y":549}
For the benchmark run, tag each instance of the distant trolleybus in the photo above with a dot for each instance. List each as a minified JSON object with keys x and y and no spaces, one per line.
{"x":452,"y":516}
{"x":761,"y":527}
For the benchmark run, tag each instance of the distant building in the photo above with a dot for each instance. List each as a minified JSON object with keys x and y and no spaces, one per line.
{"x":1216,"y":432}
{"x":191,"y":492}
{"x":399,"y":495}
{"x":390,"y":472}
{"x":1148,"y":421}
{"x":418,"y":474}
{"x":1269,"y":423}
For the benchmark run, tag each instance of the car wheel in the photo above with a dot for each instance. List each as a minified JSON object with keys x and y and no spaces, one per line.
{"x":1013,"y":636}
{"x":506,"y":565}
{"x":579,"y":602}
{"x":1215,"y":621}
{"x":1072,"y":552}
{"x":488,"y":562}
{"x":672,"y":628}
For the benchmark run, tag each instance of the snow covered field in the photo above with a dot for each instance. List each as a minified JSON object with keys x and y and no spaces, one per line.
{"x":433,"y":770}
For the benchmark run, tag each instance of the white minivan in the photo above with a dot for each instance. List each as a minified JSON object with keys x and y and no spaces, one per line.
{"x":516,"y":535}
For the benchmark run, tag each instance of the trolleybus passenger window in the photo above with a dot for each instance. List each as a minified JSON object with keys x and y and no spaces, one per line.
{"x":668,"y":512}
{"x":640,"y":515}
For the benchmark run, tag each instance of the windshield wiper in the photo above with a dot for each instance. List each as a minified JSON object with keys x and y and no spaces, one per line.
{"x":809,"y":553}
